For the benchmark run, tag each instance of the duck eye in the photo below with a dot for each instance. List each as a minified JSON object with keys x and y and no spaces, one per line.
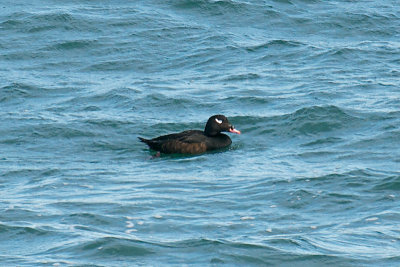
{"x":218,"y":121}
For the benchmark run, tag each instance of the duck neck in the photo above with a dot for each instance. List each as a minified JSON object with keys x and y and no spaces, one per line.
{"x":210,"y":132}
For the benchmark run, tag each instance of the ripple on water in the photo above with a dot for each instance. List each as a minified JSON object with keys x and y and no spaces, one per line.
{"x":312,"y":179}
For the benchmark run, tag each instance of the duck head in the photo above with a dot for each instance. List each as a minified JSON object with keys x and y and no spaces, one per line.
{"x":217,"y":124}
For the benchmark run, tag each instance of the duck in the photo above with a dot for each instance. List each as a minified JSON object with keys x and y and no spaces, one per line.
{"x":195,"y":141}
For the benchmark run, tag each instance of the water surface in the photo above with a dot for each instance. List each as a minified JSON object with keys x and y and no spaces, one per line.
{"x":313,"y":180}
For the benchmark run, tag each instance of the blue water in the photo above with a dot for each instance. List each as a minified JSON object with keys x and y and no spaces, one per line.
{"x":313,"y":180}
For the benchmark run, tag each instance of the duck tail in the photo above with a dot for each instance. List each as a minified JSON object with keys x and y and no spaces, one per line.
{"x":143,"y":140}
{"x":152,"y":144}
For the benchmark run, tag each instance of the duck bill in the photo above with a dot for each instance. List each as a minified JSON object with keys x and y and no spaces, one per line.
{"x":233,"y":130}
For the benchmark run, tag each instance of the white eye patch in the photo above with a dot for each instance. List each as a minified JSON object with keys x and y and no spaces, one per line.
{"x":218,"y":121}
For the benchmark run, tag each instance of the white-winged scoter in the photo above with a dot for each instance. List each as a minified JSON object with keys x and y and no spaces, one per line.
{"x":195,"y":141}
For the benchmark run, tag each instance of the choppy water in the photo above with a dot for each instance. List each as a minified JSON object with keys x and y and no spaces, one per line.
{"x":313,"y":85}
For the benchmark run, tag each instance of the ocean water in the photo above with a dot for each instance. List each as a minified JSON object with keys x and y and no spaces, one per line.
{"x":313,"y":180}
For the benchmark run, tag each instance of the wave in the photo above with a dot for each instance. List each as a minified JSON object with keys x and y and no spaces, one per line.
{"x":15,"y":92}
{"x":391,"y":183}
{"x":18,"y":91}
{"x":207,"y":251}
{"x":73,"y":44}
{"x":117,"y":247}
{"x":17,"y":231}
{"x":118,"y":98}
{"x":384,"y":140}
{"x":62,"y":130}
{"x":241,"y":77}
{"x":213,"y":6}
{"x":107,"y":247}
{"x":38,"y":22}
{"x":32,"y":173}
{"x":46,"y":21}
{"x":313,"y":120}
{"x":276,"y":44}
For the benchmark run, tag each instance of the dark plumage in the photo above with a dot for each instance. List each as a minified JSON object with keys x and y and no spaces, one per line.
{"x":195,"y":141}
